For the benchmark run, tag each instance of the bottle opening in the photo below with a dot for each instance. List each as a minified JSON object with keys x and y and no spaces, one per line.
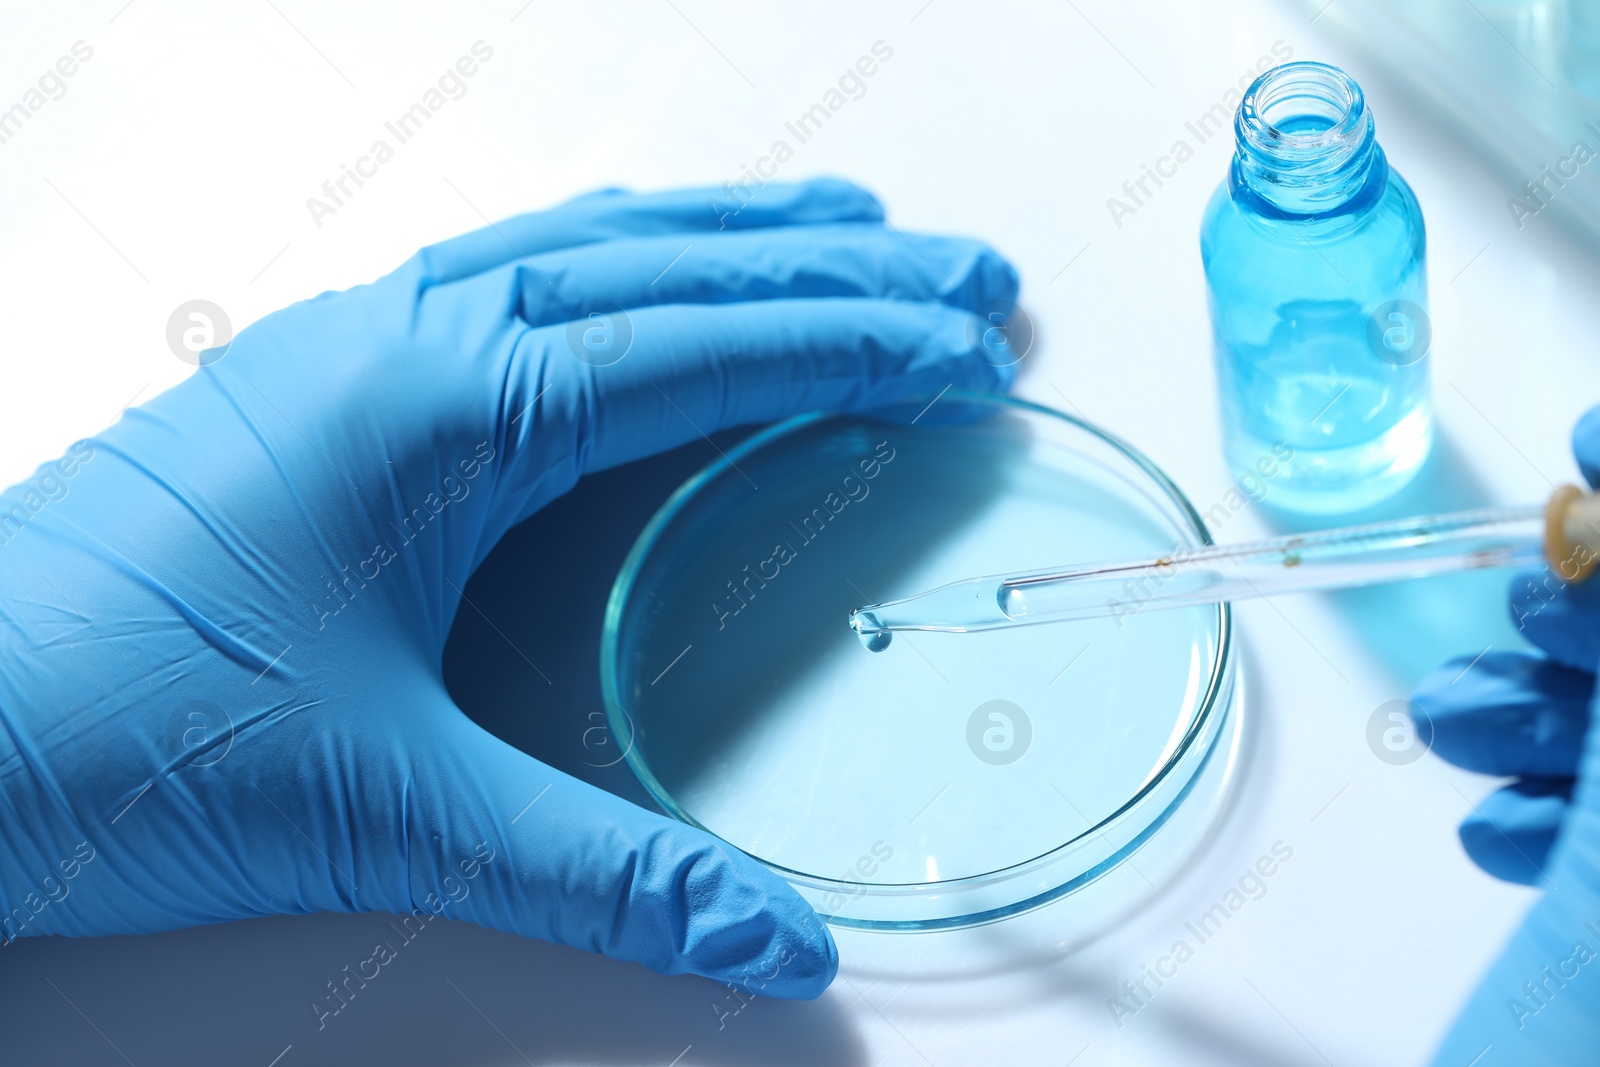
{"x":1301,"y":108}
{"x":1305,"y":141}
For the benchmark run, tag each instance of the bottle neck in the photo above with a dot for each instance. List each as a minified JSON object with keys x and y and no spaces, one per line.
{"x":1306,"y":147}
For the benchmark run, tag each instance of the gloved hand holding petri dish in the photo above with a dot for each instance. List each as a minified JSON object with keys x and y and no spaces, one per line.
{"x":220,"y":687}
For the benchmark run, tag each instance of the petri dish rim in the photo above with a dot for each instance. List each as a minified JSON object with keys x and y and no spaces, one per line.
{"x":1216,"y":703}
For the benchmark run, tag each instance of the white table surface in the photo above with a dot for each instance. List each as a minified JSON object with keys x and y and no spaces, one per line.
{"x":177,"y":166}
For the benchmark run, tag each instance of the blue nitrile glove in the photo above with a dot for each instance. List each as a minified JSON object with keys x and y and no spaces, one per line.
{"x":223,"y":618}
{"x":1527,"y":715}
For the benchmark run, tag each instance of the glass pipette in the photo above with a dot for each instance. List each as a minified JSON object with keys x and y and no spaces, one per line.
{"x":1566,"y":532}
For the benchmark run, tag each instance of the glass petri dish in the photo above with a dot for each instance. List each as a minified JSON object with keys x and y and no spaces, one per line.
{"x":951,"y":779}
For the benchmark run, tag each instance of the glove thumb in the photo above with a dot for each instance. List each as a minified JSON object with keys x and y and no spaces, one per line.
{"x":493,"y":836}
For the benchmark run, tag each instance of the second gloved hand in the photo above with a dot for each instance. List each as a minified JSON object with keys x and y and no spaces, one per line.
{"x":1529,"y":715}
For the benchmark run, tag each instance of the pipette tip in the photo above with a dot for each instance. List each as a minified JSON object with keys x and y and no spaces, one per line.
{"x":875,"y":637}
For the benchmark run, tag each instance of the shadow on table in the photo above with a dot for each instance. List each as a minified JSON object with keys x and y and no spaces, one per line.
{"x":1207,"y":1040}
{"x":1414,"y":626}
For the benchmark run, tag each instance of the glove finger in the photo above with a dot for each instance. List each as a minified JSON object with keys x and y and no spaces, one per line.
{"x":613,"y":213}
{"x":811,"y":261}
{"x":1508,"y":713}
{"x":1560,"y":617}
{"x":490,"y":835}
{"x":1586,"y":445}
{"x":686,"y":371}
{"x":1511,"y":833}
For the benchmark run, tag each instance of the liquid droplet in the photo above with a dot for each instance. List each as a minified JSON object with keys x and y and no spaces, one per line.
{"x":870,"y":630}
{"x":876,"y":642}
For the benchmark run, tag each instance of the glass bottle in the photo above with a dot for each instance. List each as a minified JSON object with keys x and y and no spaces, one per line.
{"x":1314,"y":259}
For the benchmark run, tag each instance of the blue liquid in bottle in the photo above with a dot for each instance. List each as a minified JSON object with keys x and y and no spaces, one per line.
{"x":1314,"y":258}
